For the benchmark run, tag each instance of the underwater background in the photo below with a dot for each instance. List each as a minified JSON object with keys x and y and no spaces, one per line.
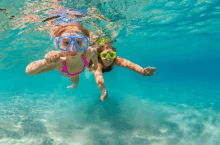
{"x":178,"y":105}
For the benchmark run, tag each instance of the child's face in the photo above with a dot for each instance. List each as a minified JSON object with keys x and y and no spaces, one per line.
{"x":108,"y":61}
{"x":69,"y":53}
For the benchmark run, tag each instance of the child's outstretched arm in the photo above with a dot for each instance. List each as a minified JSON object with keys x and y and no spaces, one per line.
{"x":44,"y":65}
{"x":128,"y":64}
{"x":100,"y":82}
{"x":37,"y":67}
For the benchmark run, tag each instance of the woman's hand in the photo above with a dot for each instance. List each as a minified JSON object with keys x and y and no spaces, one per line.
{"x":53,"y":57}
{"x":148,"y":71}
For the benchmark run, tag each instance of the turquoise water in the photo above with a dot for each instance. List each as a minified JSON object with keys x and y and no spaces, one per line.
{"x":179,"y":105}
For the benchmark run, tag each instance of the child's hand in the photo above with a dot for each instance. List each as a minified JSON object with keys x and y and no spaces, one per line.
{"x":148,"y":71}
{"x":94,"y":67}
{"x":53,"y":57}
{"x":104,"y":95}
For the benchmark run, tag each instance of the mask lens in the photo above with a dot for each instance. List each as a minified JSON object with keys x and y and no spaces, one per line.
{"x":79,"y":42}
{"x":103,"y":55}
{"x":82,"y":43}
{"x":63,"y":43}
{"x":112,"y":55}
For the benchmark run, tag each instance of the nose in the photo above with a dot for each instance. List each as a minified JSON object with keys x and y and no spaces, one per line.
{"x":108,"y":59}
{"x":72,"y":47}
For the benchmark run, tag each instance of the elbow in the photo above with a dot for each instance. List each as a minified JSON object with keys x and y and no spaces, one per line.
{"x":101,"y":85}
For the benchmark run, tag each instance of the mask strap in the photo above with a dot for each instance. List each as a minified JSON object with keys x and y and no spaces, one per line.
{"x":55,"y":41}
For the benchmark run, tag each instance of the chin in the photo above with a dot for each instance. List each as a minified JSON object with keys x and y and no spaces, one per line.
{"x":71,"y":56}
{"x":109,"y":64}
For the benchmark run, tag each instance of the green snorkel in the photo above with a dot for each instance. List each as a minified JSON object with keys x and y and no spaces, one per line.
{"x":105,"y":40}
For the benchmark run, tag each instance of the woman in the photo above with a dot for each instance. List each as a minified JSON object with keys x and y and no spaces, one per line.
{"x":107,"y":59}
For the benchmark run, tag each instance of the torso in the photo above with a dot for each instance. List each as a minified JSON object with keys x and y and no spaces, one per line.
{"x":76,"y":67}
{"x":72,"y":68}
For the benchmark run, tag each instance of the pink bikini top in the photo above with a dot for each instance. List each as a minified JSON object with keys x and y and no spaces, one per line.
{"x":65,"y":72}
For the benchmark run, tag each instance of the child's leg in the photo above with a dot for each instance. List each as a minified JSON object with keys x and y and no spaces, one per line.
{"x":75,"y":81}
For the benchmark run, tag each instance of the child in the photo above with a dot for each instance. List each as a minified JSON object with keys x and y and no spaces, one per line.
{"x":73,"y":40}
{"x":107,"y":59}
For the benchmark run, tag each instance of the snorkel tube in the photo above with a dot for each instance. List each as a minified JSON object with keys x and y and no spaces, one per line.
{"x":104,"y":39}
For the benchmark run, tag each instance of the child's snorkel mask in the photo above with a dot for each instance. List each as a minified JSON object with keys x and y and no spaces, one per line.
{"x":72,"y":41}
{"x":105,"y":55}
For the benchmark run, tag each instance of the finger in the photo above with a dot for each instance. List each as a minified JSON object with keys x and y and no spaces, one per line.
{"x":52,"y":59}
{"x":57,"y":57}
{"x":61,"y":54}
{"x":61,"y":59}
{"x":49,"y":61}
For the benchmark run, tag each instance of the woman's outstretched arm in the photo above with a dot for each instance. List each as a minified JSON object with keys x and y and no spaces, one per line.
{"x":148,"y":71}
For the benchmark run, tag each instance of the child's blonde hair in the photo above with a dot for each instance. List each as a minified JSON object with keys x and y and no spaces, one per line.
{"x":57,"y":30}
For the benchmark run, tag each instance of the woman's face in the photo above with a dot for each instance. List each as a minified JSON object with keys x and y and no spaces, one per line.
{"x":108,"y":61}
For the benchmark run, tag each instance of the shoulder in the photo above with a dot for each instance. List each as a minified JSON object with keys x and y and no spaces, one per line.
{"x":118,"y":60}
{"x":98,"y":70}
{"x":121,"y":61}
